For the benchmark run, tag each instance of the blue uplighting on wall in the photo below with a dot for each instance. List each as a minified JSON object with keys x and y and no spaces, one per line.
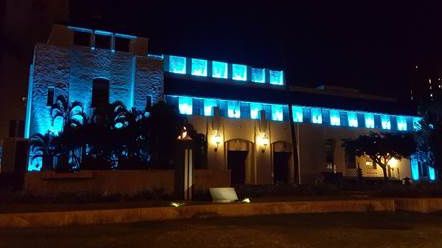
{"x":239,"y":72}
{"x":401,"y":123}
{"x":233,"y":109}
{"x":335,"y":118}
{"x":209,"y":104}
{"x":199,"y":67}
{"x":29,"y":103}
{"x":219,"y":69}
{"x":431,"y":173}
{"x":369,"y":120}
{"x":414,"y":168}
{"x":177,"y":64}
{"x":298,"y":115}
{"x":277,"y":113}
{"x":258,"y":75}
{"x":276,"y":77}
{"x":385,"y":122}
{"x":316,"y":115}
{"x":352,"y":119}
{"x":254,"y":110}
{"x":185,"y":105}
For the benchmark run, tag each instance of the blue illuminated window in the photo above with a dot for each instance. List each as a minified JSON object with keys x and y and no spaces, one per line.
{"x":369,"y":120}
{"x":199,"y":67}
{"x":335,"y":118}
{"x":414,"y":168}
{"x":401,"y":123}
{"x":416,"y":123}
{"x":233,"y":109}
{"x":208,"y":106}
{"x":258,"y":75}
{"x":239,"y":72}
{"x":276,"y":77}
{"x":254,"y":110}
{"x":185,"y":105}
{"x":431,"y":173}
{"x":316,"y":115}
{"x":352,"y":119}
{"x":385,"y":122}
{"x":297,"y":112}
{"x":277,"y":113}
{"x":219,"y":69}
{"x":177,"y":64}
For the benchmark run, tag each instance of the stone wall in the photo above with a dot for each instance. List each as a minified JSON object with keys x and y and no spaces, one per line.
{"x":124,"y":182}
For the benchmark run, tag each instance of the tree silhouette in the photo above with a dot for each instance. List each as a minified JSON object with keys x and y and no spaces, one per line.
{"x":381,"y":147}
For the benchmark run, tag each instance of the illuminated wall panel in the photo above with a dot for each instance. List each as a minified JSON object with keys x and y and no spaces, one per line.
{"x":177,"y":64}
{"x":185,"y":105}
{"x":199,"y":67}
{"x":276,"y":77}
{"x":369,"y":120}
{"x":219,"y":69}
{"x":416,"y":123}
{"x":352,"y":118}
{"x":277,"y":112}
{"x":258,"y":75}
{"x":233,"y":109}
{"x":239,"y":72}
{"x":401,"y":123}
{"x":316,"y":115}
{"x":335,"y":118}
{"x":385,"y":122}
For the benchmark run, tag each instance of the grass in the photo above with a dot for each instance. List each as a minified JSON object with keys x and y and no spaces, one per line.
{"x":312,"y":230}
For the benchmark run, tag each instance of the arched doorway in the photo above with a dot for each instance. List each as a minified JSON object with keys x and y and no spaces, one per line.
{"x":281,"y":162}
{"x":238,"y":162}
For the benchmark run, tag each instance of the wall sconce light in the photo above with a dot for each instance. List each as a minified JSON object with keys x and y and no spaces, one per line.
{"x":263,"y":141}
{"x":217,"y":140}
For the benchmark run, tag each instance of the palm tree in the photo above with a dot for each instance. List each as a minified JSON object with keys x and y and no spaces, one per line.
{"x":42,"y":150}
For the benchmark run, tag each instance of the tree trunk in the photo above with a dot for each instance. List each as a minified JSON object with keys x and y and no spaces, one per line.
{"x":384,"y":170}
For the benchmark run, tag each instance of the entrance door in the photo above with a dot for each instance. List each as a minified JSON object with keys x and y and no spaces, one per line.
{"x":281,"y":167}
{"x":236,"y":162}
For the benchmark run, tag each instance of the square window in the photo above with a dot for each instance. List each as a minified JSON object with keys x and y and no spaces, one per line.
{"x":297,"y":114}
{"x":335,"y":118}
{"x":199,"y":67}
{"x":239,"y":72}
{"x":219,"y":69}
{"x":316,"y":115}
{"x":369,"y":120}
{"x":401,"y":123}
{"x":209,"y":104}
{"x":177,"y":64}
{"x":255,"y":109}
{"x":233,"y":109}
{"x":277,"y":113}
{"x":352,"y":119}
{"x":385,"y":122}
{"x":276,"y":77}
{"x":258,"y":75}
{"x":185,"y":105}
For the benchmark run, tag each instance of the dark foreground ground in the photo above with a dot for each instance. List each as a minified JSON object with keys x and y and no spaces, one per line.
{"x":315,"y":230}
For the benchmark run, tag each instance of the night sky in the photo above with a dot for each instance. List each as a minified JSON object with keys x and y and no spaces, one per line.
{"x":373,"y":47}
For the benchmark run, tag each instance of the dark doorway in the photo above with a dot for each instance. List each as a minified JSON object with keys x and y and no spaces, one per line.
{"x":281,"y":167}
{"x":236,"y":162}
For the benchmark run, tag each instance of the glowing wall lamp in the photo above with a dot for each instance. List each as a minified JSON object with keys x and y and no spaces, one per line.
{"x":217,"y":139}
{"x":263,"y":141}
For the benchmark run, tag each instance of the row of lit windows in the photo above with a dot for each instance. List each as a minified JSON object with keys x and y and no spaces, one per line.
{"x":335,"y":117}
{"x":301,"y":114}
{"x":222,"y":70}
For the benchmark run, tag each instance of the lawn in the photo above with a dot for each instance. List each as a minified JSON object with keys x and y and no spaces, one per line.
{"x":312,"y":230}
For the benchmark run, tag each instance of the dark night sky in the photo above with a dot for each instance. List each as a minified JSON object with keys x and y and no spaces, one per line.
{"x":369,"y":46}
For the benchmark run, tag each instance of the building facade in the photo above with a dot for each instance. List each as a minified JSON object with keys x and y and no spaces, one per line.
{"x":257,"y":127}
